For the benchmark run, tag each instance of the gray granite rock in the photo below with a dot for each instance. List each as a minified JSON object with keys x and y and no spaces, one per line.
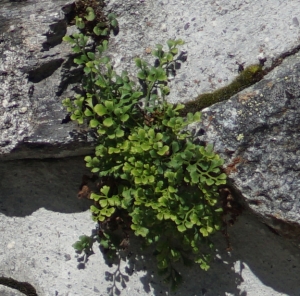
{"x":218,"y":34}
{"x":36,"y":73}
{"x":5,"y":291}
{"x":257,"y":132}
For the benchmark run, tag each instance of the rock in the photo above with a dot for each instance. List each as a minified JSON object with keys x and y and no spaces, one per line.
{"x":217,"y":34}
{"x":5,"y":291}
{"x":24,"y":287}
{"x":257,"y":133}
{"x":36,"y":73}
{"x":41,"y":217}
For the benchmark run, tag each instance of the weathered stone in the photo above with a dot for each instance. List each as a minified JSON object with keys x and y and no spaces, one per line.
{"x":36,"y":73}
{"x":257,"y":133}
{"x":5,"y":291}
{"x":40,"y":216}
{"x":218,"y":35}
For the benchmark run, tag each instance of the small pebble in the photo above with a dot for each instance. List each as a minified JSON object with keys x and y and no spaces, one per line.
{"x":23,"y":110}
{"x":11,"y":245}
{"x":4,"y":103}
{"x":163,"y":27}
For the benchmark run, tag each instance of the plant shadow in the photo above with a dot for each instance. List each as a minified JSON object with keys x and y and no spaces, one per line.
{"x":260,"y":260}
{"x":259,"y":257}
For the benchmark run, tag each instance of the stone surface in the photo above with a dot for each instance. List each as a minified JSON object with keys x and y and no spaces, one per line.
{"x":257,"y":133}
{"x":218,"y":34}
{"x":36,"y":73}
{"x":40,"y":219}
{"x":40,"y":216}
{"x":5,"y":291}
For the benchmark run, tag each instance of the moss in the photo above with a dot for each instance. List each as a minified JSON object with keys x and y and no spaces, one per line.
{"x":247,"y":77}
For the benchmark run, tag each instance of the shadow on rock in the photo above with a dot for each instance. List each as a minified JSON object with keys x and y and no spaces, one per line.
{"x":274,"y":260}
{"x":27,"y":185}
{"x":260,"y":260}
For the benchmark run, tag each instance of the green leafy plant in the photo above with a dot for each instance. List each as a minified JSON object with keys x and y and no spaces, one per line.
{"x":84,"y":244}
{"x":154,"y":178}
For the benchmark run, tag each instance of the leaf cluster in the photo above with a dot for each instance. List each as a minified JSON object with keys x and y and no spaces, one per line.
{"x":147,"y":160}
{"x":84,"y":244}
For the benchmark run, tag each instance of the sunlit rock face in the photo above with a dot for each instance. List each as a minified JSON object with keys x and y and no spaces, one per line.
{"x":257,"y":132}
{"x":36,"y":73}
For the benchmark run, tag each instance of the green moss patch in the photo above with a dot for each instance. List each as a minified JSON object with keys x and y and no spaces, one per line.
{"x":247,"y":77}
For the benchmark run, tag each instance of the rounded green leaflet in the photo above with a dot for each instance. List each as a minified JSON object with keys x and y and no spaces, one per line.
{"x":138,"y":62}
{"x":98,"y":32}
{"x":76,"y":49}
{"x":94,"y":123}
{"x":79,"y":22}
{"x":100,"y":110}
{"x":170,"y":43}
{"x":165,"y":90}
{"x":138,"y":180}
{"x":142,"y":231}
{"x":163,"y":150}
{"x":117,"y":111}
{"x":88,"y":158}
{"x":78,"y":246}
{"x":119,"y":133}
{"x":101,"y":131}
{"x":91,"y":14}
{"x":108,"y":122}
{"x":111,"y":135}
{"x":104,"y":32}
{"x":181,"y":228}
{"x":111,"y":16}
{"x":161,"y":74}
{"x":151,"y":179}
{"x":141,"y":134}
{"x":109,"y":105}
{"x":114,"y":23}
{"x":91,"y":55}
{"x":88,"y":113}
{"x":169,"y":57}
{"x":145,"y":146}
{"x":94,"y":209}
{"x":100,"y":82}
{"x":142,"y":75}
{"x":95,"y":197}
{"x":204,"y":231}
{"x":104,"y":60}
{"x":158,"y":136}
{"x":68,"y":39}
{"x":174,"y":51}
{"x":188,"y":224}
{"x":124,"y":117}
{"x":87,"y":70}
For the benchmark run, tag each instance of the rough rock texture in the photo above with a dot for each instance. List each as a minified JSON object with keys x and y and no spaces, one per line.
{"x":257,"y":133}
{"x":5,"y":291}
{"x":258,"y":127}
{"x":36,"y":70}
{"x":36,"y":73}
{"x":218,"y":34}
{"x":40,"y":219}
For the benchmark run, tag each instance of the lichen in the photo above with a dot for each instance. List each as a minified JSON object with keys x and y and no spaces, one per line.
{"x":247,"y":77}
